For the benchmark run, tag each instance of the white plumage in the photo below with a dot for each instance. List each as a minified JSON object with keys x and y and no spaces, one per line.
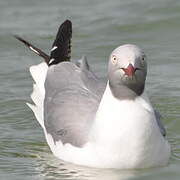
{"x":38,"y":72}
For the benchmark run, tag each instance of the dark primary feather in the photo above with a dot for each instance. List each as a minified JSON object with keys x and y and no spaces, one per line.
{"x":61,"y":48}
{"x":34,"y":49}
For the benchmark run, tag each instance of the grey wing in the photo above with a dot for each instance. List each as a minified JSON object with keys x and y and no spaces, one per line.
{"x":70,"y":103}
{"x":160,"y":124}
{"x":90,"y":80}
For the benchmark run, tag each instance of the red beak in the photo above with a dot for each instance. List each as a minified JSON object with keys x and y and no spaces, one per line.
{"x":130,"y":70}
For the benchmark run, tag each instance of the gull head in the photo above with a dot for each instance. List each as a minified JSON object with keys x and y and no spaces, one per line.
{"x":127,"y":71}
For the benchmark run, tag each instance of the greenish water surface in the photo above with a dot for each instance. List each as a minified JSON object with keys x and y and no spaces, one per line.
{"x":98,"y":27}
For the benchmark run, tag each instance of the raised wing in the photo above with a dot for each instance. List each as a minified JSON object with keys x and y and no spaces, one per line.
{"x":61,"y":48}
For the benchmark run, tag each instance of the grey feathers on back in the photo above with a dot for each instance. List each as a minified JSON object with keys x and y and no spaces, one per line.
{"x":71,"y":101}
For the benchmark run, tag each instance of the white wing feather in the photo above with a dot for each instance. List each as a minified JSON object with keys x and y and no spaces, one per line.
{"x":38,"y":72}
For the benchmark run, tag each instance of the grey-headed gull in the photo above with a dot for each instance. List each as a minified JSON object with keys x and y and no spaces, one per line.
{"x":90,"y":122}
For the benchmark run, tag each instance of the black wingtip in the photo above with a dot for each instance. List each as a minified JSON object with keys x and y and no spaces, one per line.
{"x":34,"y":49}
{"x":67,"y":22}
{"x":61,"y":48}
{"x":22,"y":40}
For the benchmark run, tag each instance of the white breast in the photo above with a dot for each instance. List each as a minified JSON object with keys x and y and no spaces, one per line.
{"x":127,"y":135}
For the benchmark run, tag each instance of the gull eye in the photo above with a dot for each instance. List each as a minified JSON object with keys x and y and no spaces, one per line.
{"x":114,"y":59}
{"x":143,"y":59}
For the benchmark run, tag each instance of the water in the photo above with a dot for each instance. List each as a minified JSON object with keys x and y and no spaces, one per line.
{"x":98,"y":27}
